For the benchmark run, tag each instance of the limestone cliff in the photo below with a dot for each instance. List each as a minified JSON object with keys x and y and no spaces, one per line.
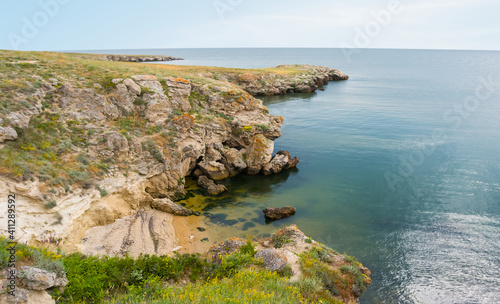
{"x":85,"y":143}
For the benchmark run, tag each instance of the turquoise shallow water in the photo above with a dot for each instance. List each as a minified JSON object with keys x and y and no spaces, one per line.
{"x":399,"y":167}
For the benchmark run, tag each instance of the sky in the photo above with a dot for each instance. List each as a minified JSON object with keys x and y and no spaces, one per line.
{"x":64,"y":25}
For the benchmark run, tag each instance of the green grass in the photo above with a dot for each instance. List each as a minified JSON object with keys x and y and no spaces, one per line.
{"x":246,"y":286}
{"x":189,"y":278}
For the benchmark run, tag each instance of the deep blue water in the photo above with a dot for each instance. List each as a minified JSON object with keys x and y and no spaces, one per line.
{"x":400,"y":166}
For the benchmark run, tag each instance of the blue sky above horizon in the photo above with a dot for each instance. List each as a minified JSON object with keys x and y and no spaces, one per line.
{"x":99,"y":25}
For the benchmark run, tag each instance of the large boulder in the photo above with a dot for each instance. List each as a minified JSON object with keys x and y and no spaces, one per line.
{"x":281,"y":161}
{"x":216,"y":189}
{"x":273,"y":213}
{"x":276,"y":165}
{"x":292,"y":162}
{"x":274,"y":260}
{"x":259,"y":154}
{"x":214,"y":170}
{"x":168,"y":206}
{"x":233,"y":160}
{"x":37,"y":279}
{"x":7,"y":133}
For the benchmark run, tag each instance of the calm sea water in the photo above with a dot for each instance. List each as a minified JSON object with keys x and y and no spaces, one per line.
{"x":400,"y":167}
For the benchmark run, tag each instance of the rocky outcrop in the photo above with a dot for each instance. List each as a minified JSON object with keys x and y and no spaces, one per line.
{"x":272,"y":213}
{"x":131,"y":58}
{"x":259,"y":154}
{"x":210,"y":186}
{"x":281,"y":161}
{"x":166,"y":205}
{"x":39,"y":279}
{"x":226,"y":247}
{"x":274,"y":260}
{"x":214,"y":170}
{"x":277,"y":84}
{"x":233,"y":160}
{"x":304,"y":255}
{"x":337,"y":277}
{"x":106,"y":149}
{"x":33,"y":285}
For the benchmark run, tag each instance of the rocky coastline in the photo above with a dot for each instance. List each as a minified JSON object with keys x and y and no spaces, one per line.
{"x":131,"y":58}
{"x":100,"y":161}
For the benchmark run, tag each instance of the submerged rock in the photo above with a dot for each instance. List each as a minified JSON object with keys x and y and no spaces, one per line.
{"x":278,"y":213}
{"x":210,"y":186}
{"x":168,"y":206}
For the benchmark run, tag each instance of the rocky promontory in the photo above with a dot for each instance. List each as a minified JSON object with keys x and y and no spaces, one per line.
{"x":97,"y":153}
{"x":130,"y":58}
{"x":83,"y":151}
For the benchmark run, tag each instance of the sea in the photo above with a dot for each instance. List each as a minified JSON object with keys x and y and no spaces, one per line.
{"x":399,"y":166}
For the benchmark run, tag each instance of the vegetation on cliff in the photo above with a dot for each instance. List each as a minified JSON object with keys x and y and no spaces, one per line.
{"x":85,"y":142}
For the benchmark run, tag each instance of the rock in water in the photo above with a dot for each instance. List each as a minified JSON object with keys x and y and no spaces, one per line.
{"x":210,"y":186}
{"x":274,"y":260}
{"x":272,"y":213}
{"x":168,"y":206}
{"x":7,"y":134}
{"x":259,"y":154}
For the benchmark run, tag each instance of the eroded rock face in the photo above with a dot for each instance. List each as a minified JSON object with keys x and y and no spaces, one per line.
{"x":210,"y":186}
{"x":273,"y":213}
{"x":168,"y":206}
{"x":146,"y":232}
{"x":7,"y":133}
{"x":274,"y":260}
{"x":278,"y":85}
{"x":132,"y":87}
{"x":233,"y":160}
{"x":38,"y":279}
{"x":142,"y":147}
{"x":259,"y":154}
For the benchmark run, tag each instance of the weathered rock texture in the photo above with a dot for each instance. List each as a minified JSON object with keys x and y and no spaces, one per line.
{"x":274,"y":260}
{"x":109,"y":149}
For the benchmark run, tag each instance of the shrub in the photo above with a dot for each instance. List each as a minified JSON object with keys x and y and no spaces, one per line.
{"x":248,"y":248}
{"x":50,"y":205}
{"x":280,"y":240}
{"x":263,"y":127}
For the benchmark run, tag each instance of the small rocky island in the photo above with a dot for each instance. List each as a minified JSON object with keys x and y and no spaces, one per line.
{"x":97,"y":155}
